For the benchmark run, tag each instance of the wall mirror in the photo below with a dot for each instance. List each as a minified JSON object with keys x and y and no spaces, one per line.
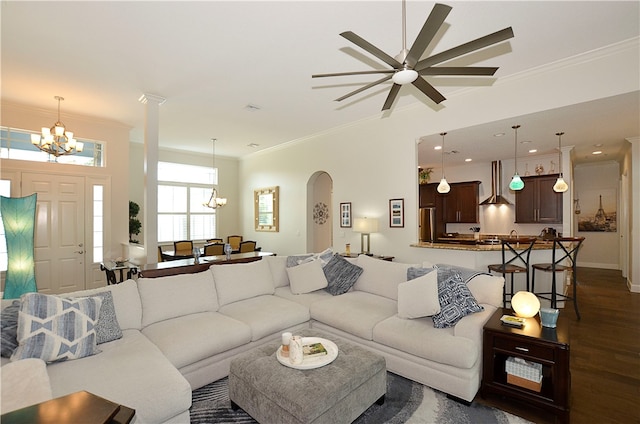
{"x":266,"y":209}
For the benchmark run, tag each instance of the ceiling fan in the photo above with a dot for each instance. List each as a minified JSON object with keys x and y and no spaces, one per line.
{"x":407,"y":67}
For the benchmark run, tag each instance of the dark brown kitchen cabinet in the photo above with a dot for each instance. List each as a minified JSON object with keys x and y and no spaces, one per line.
{"x":461,"y":203}
{"x":428,"y":194}
{"x":537,"y":202}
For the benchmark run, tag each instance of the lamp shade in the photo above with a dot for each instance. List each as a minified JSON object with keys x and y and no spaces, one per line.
{"x":444,"y":186}
{"x":365,"y":225}
{"x":560,"y":186}
{"x":406,"y":76}
{"x":516,"y":183}
{"x":525,"y":304}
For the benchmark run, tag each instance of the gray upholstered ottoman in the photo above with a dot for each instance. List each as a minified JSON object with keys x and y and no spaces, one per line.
{"x":336,"y":393}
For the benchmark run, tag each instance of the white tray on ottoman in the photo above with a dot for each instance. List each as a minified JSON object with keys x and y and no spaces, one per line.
{"x":335,"y":393}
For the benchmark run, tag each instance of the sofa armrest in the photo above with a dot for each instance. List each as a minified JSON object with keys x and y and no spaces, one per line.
{"x":24,"y":383}
{"x":471,"y":326}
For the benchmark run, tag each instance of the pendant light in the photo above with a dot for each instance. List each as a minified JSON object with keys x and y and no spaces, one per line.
{"x":560,"y":186}
{"x":443,"y":187}
{"x":215,"y":202}
{"x":516,"y":182}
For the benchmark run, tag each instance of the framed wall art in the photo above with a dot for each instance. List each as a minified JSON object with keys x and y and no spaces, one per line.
{"x":396,"y":213}
{"x":266,"y":209}
{"x":345,"y":215}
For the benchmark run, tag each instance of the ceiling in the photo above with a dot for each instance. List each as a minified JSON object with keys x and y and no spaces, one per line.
{"x":241,"y":71}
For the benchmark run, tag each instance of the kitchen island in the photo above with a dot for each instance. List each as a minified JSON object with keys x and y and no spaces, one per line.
{"x":472,"y":254}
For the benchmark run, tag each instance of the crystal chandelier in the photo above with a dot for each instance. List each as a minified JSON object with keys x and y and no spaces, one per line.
{"x":57,"y":141}
{"x":215,"y":202}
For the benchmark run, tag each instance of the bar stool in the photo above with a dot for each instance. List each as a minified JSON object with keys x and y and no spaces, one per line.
{"x":519,"y":250}
{"x":564,"y":248}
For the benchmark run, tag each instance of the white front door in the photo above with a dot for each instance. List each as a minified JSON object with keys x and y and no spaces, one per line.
{"x":59,"y":236}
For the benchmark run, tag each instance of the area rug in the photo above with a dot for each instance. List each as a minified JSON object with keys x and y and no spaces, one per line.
{"x":406,"y":402}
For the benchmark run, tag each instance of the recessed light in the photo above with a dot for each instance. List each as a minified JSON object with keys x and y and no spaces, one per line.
{"x":597,"y":152}
{"x":533,"y":150}
{"x":499,"y":135}
{"x":597,"y":145}
{"x":525,"y":142}
{"x":252,"y":108}
{"x":468,"y":160}
{"x":437,"y":148}
{"x":253,"y":145}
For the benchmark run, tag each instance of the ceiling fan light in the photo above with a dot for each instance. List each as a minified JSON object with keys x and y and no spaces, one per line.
{"x":560,"y":186}
{"x":406,"y":76}
{"x":444,"y":186}
{"x":516,"y":183}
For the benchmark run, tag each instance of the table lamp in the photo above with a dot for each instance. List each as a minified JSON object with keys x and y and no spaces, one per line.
{"x":525,"y":304}
{"x":365,"y":226}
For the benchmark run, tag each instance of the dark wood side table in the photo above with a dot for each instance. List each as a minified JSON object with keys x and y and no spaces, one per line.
{"x":78,"y":407}
{"x":546,"y":346}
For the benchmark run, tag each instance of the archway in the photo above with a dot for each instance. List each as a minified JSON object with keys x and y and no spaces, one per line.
{"x":319,"y":211}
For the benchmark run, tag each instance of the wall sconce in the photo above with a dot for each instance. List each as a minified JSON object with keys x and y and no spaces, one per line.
{"x":525,"y":304}
{"x":365,"y":226}
{"x":18,"y":219}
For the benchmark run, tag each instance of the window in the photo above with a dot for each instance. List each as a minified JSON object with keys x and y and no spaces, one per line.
{"x":181,"y":214}
{"x":16,"y":144}
{"x":5,"y":190}
{"x":98,"y":223}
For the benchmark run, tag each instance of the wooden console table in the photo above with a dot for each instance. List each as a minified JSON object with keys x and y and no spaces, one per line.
{"x":190,"y":266}
{"x":79,"y":407}
{"x":535,"y":343}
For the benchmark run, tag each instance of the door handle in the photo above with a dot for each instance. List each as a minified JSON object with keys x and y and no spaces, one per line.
{"x":79,"y":251}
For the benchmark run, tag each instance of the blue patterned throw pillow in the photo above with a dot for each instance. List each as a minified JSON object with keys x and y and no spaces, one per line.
{"x":53,"y":328}
{"x":456,"y":300}
{"x":9,"y":323}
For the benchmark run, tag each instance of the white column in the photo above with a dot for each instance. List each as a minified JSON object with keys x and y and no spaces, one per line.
{"x":151,"y":136}
{"x":568,"y":196}
{"x":633,"y":278}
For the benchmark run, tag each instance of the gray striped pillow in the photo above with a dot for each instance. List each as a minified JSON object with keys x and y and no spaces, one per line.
{"x":56,"y":329}
{"x":341,"y":275}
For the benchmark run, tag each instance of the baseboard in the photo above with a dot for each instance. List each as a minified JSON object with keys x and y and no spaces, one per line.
{"x":598,"y":265}
{"x":633,"y":288}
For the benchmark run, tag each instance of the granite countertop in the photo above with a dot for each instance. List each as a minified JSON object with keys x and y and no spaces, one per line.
{"x":466,"y":243}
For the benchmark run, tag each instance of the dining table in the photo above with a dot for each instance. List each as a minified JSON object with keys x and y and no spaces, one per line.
{"x":190,"y":265}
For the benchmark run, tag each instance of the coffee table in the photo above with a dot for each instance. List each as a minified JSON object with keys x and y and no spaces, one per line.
{"x":335,"y":393}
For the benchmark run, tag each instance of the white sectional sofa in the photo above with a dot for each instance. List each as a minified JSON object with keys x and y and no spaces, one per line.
{"x":181,"y":332}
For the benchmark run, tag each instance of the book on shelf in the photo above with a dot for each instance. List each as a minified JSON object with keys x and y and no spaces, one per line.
{"x":314,"y":349}
{"x":512,"y":321}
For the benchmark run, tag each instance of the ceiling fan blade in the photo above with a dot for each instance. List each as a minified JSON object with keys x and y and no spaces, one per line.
{"x":341,"y":74}
{"x":428,"y":90}
{"x":428,"y":31}
{"x":462,"y":49}
{"x":361,"y":89}
{"x":364,"y":44}
{"x":393,"y":93}
{"x":462,"y":70}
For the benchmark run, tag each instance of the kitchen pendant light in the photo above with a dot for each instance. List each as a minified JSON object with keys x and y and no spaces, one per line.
{"x":516,"y":182}
{"x":560,"y":186}
{"x":443,"y":187}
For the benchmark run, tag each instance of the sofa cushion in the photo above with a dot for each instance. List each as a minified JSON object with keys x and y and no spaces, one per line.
{"x":418,"y":297}
{"x":236,"y":282}
{"x":191,"y":338}
{"x":9,"y":328}
{"x":304,"y":299}
{"x":456,"y":300}
{"x":341,"y":275}
{"x":278,"y":266}
{"x":266,"y":315}
{"x":307,"y":277}
{"x":176,"y":295}
{"x":24,"y":383}
{"x":419,"y":337}
{"x":126,"y":301}
{"x":52,"y":328}
{"x":130,"y":371}
{"x":380,"y":277}
{"x":487,"y":289}
{"x":355,"y":312}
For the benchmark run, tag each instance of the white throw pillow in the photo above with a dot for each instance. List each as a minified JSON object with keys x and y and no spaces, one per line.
{"x":418,"y":298}
{"x":240,"y":281}
{"x":278,"y":266}
{"x":381,"y":277}
{"x":307,"y":277}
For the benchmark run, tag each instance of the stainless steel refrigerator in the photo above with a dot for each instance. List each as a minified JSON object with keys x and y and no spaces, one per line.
{"x":427,"y":224}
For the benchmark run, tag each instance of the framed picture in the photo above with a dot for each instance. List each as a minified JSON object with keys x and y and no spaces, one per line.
{"x":266,"y":209}
{"x":396,"y":213}
{"x":345,"y":215}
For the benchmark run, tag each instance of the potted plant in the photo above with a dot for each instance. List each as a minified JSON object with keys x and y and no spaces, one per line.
{"x":134,"y":223}
{"x":424,"y":175}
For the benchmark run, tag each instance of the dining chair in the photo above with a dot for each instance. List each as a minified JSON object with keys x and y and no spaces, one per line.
{"x":234,"y":241}
{"x":516,"y":252}
{"x":564,"y":257}
{"x":183,"y":248}
{"x":247,"y":246}
{"x":213,"y":249}
{"x":160,"y":255}
{"x":215,"y":240}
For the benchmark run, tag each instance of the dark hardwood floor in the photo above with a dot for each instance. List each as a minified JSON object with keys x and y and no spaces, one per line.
{"x":605,"y":354}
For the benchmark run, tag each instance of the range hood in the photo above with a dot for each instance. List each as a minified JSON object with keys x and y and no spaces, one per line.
{"x":496,"y":187}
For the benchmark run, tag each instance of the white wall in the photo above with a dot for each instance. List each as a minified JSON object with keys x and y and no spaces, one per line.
{"x":374,"y":160}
